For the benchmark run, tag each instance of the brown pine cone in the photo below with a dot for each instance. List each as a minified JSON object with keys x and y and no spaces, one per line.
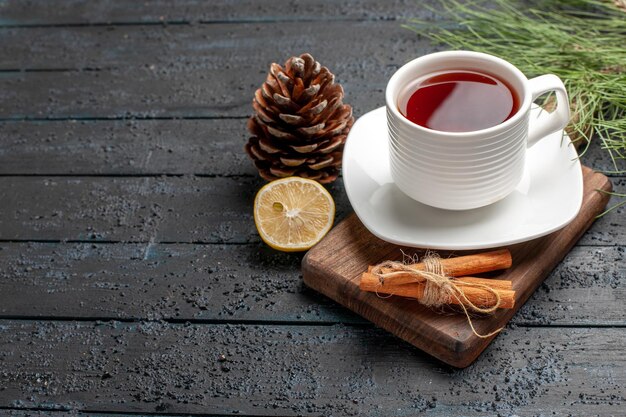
{"x":300,"y":122}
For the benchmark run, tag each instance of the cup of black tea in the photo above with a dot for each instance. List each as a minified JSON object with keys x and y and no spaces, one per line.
{"x":459,"y":126}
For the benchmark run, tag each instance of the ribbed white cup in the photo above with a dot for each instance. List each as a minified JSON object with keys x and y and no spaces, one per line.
{"x":465,"y":170}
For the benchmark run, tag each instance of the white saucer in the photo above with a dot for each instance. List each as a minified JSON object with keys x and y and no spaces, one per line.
{"x":548,"y":197}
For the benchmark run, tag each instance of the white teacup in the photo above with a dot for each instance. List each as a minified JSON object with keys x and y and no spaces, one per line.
{"x":466,"y":170}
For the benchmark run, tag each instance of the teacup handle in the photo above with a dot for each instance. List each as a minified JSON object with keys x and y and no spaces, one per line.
{"x":547,"y":123}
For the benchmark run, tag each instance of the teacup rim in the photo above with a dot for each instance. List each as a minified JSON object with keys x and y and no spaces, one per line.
{"x":523,"y":108}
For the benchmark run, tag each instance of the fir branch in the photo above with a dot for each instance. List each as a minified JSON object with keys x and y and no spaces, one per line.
{"x":581,"y":41}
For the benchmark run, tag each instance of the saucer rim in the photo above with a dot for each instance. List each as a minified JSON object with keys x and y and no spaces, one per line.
{"x":466,"y":246}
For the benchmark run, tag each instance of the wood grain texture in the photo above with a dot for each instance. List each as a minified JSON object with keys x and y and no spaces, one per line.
{"x":144,"y":93}
{"x":200,"y":47}
{"x":190,"y":72}
{"x":302,"y":370}
{"x":334,"y":266}
{"x":125,"y":147}
{"x":134,"y":209}
{"x":26,"y":412}
{"x":243,"y":283}
{"x":29,"y":12}
{"x":126,"y":209}
{"x":157,"y":281}
{"x":168,"y":209}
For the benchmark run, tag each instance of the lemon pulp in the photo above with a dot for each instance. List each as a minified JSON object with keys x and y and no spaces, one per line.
{"x":293,"y":214}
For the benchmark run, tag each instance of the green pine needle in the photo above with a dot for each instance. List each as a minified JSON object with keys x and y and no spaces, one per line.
{"x":581,"y":41}
{"x":614,"y":206}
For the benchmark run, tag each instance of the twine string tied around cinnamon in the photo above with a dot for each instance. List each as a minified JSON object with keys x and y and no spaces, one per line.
{"x":438,"y":287}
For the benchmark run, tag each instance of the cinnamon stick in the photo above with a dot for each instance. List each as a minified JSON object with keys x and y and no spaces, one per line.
{"x":478,"y":296}
{"x":460,"y":266}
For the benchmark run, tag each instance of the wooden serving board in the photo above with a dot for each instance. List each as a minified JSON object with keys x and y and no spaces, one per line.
{"x":334,"y":266}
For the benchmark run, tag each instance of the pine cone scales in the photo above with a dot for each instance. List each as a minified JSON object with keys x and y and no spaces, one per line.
{"x":300,"y":122}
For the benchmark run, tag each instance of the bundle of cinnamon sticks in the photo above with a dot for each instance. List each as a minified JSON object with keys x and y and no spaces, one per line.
{"x":481,"y":292}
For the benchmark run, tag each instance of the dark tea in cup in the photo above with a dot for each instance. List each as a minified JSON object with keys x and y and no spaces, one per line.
{"x":458,"y":101}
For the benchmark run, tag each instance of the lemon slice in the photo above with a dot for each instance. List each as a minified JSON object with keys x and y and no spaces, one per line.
{"x":293,"y":214}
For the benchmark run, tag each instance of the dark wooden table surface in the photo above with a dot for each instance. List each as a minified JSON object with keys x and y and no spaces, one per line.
{"x":132,"y":280}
